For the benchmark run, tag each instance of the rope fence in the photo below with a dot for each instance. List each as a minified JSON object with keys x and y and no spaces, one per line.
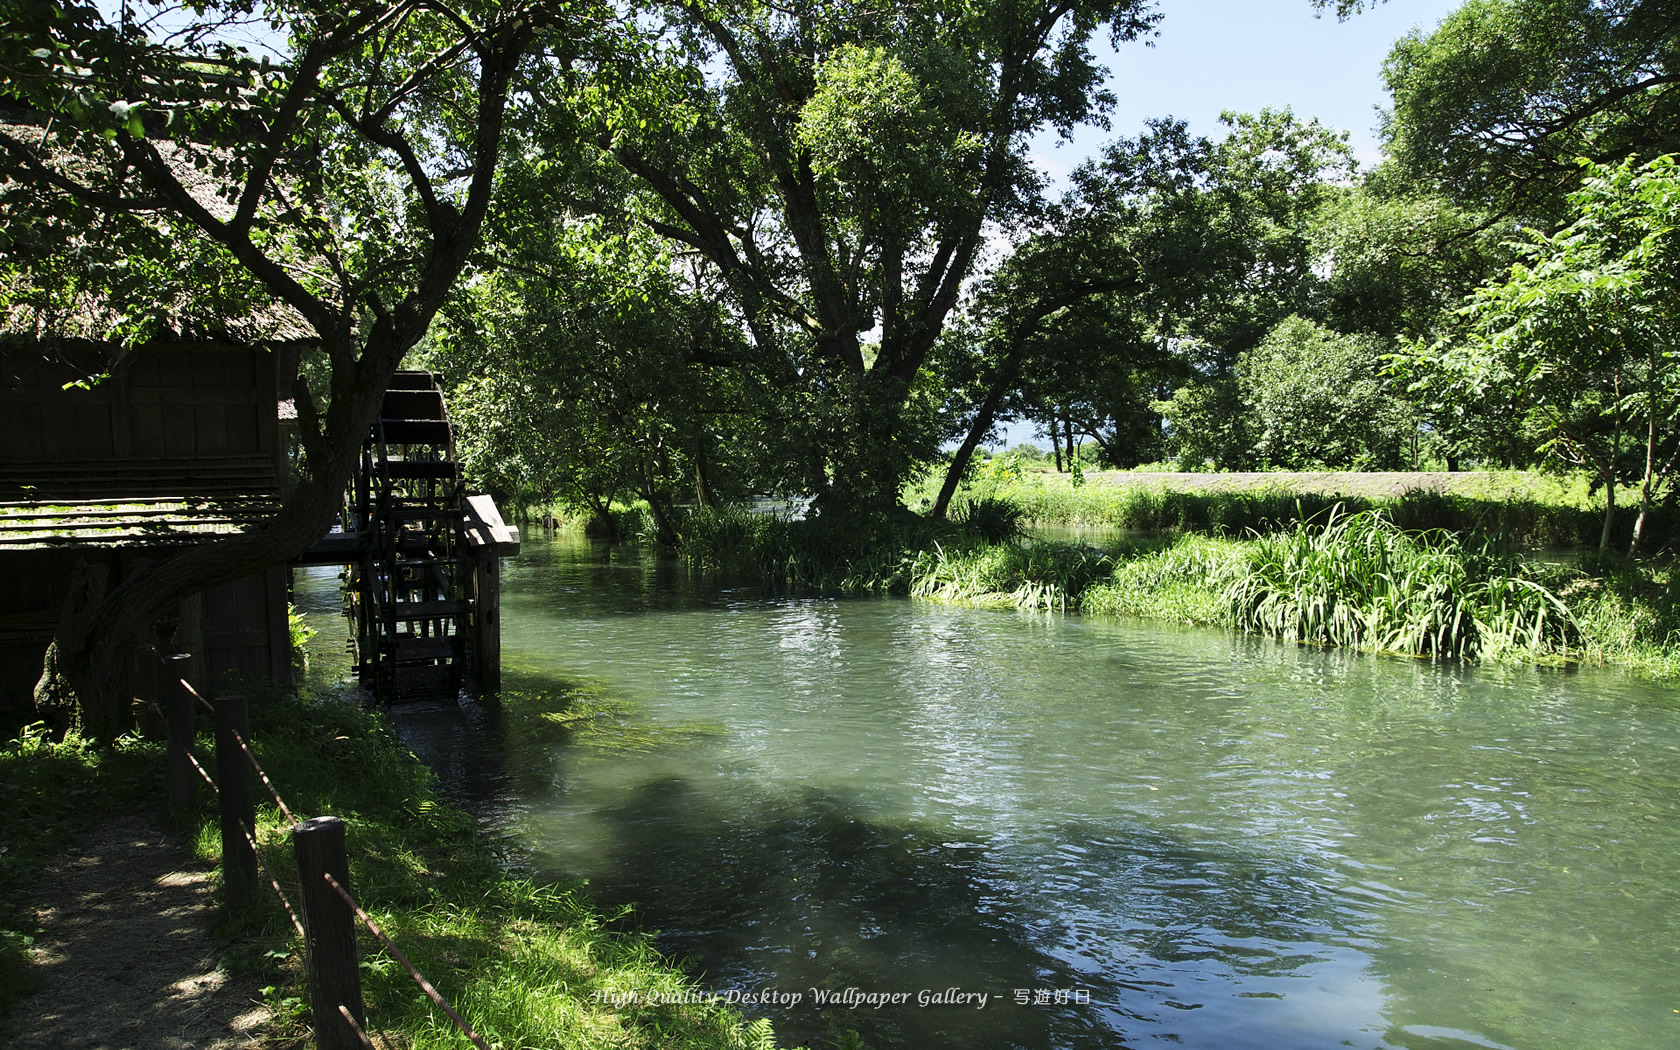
{"x":396,"y":953}
{"x":327,"y":927}
{"x":285,"y":902}
{"x":201,"y":772}
{"x":267,"y":783}
{"x":349,"y":1019}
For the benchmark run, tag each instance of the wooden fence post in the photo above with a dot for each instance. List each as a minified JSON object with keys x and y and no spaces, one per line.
{"x":330,"y":928}
{"x":239,"y":812}
{"x":178,"y":717}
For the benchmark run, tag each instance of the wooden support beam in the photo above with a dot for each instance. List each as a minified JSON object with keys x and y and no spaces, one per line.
{"x":487,"y":619}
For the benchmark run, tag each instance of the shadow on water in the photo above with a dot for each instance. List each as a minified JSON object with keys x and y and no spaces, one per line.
{"x":855,"y":903}
{"x":802,"y":892}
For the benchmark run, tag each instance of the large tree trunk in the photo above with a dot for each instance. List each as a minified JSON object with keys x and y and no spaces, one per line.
{"x":965,"y":452}
{"x":1646,"y":481}
{"x":664,"y":533}
{"x":601,"y":526}
{"x":867,"y":460}
{"x":704,"y":497}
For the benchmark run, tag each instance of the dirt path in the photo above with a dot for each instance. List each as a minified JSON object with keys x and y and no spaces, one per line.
{"x":126,"y":959}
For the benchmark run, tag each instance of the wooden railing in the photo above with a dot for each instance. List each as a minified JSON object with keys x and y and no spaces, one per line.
{"x":327,"y":927}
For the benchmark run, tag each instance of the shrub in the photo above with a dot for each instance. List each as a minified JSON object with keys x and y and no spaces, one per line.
{"x":993,"y":518}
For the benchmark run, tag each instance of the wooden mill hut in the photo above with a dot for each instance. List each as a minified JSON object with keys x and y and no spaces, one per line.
{"x":181,"y":443}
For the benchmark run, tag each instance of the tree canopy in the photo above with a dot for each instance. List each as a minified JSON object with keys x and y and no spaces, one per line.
{"x":1493,"y":106}
{"x":1584,"y":332}
{"x":839,"y":166}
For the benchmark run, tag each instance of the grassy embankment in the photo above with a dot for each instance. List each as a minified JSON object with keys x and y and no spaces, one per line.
{"x":528,"y":965}
{"x":1425,"y":573}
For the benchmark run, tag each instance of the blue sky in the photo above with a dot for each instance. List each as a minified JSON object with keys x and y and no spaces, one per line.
{"x":1214,"y":55}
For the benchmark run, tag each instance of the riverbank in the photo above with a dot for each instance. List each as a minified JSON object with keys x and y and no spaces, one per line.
{"x":1433,"y":574}
{"x":528,"y":965}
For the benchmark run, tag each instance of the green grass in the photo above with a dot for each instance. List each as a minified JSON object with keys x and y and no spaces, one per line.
{"x":528,"y":965}
{"x":1050,"y":576}
{"x":1181,"y":581}
{"x":1628,"y":614}
{"x":1527,"y":509}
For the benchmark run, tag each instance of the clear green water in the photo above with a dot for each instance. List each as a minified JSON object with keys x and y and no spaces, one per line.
{"x":1221,"y":842}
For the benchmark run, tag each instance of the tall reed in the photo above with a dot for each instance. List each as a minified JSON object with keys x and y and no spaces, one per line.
{"x":1359,"y":580}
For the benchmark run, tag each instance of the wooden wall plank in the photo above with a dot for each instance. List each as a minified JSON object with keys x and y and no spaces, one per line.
{"x":180,"y":435}
{"x":243,"y":421}
{"x":210,"y":430}
{"x":147,"y":370}
{"x":23,"y":435}
{"x":122,"y":421}
{"x":90,"y":431}
{"x":147,"y":439}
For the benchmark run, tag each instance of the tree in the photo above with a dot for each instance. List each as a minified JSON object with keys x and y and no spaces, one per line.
{"x":1096,"y":370}
{"x":1395,"y":261}
{"x":1585,"y":331}
{"x":346,"y":185}
{"x":1226,"y":227}
{"x":586,"y":371}
{"x":1317,"y":396}
{"x":838,"y":165}
{"x":1263,"y":185}
{"x":1170,"y":256}
{"x":1494,"y":105}
{"x":1396,"y":264}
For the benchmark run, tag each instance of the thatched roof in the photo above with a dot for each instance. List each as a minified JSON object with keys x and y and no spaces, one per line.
{"x":225,"y":311}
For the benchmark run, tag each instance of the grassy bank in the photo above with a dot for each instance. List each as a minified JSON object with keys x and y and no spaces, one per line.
{"x":1525,"y":509}
{"x":528,"y":965}
{"x":1359,"y":579}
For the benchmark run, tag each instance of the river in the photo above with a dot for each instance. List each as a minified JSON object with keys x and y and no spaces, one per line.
{"x":1119,"y":834}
